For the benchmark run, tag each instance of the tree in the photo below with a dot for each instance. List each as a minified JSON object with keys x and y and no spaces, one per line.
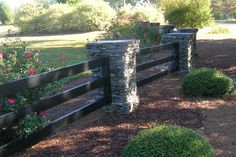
{"x":224,"y":7}
{"x":5,"y":13}
{"x":187,"y":13}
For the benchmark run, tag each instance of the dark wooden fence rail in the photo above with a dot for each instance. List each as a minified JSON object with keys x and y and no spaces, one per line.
{"x":38,"y":80}
{"x":155,"y":49}
{"x":47,"y":77}
{"x":11,"y":118}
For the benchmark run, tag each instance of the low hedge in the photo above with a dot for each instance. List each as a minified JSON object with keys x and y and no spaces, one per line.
{"x":206,"y":82}
{"x":168,"y":141}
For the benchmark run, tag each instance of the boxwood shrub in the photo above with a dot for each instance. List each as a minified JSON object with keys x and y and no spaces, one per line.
{"x":206,"y":82}
{"x":168,"y":141}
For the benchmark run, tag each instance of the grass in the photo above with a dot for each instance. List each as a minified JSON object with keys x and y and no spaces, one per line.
{"x":232,"y":21}
{"x":51,"y":47}
{"x":50,"y":51}
{"x":219,"y":30}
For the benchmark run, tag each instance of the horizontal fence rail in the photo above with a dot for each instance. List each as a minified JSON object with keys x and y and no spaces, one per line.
{"x":156,"y":62}
{"x":155,"y":76}
{"x":170,"y":58}
{"x":154,"y":49}
{"x":23,"y":143}
{"x":47,"y":77}
{"x":9,"y":119}
{"x":53,"y":101}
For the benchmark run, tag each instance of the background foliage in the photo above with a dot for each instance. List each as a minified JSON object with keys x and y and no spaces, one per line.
{"x":224,"y":9}
{"x":6,"y":16}
{"x":141,"y":12}
{"x":187,"y":13}
{"x":84,"y":16}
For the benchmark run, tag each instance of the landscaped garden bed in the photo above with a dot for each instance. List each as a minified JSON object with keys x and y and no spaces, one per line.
{"x":162,"y":101}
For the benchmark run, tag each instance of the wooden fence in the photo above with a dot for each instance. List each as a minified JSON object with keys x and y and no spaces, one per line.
{"x":10,"y":118}
{"x":173,"y":57}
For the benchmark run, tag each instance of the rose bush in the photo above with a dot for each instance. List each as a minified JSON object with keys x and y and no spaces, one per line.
{"x":31,"y":123}
{"x":16,"y":62}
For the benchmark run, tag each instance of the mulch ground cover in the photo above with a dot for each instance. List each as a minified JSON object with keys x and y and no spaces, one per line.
{"x":162,"y":101}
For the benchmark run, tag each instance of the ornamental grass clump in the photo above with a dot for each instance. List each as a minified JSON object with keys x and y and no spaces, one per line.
{"x":168,"y":141}
{"x":206,"y":82}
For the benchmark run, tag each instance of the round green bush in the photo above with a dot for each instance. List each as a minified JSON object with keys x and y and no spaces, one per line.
{"x":206,"y":82}
{"x":168,"y":141}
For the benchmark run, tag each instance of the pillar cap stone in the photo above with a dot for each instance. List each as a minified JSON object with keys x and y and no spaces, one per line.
{"x":190,"y":30}
{"x":114,"y":42}
{"x":112,"y":45}
{"x":180,"y":35}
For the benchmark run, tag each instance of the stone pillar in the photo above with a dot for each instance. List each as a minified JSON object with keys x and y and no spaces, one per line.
{"x":194,"y":31}
{"x":164,"y":29}
{"x":185,"y":48}
{"x":122,"y":56}
{"x":167,"y":28}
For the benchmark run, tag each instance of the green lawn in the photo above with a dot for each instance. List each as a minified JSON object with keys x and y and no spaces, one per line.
{"x":51,"y":47}
{"x":50,"y":51}
{"x":72,"y":46}
{"x":232,"y":21}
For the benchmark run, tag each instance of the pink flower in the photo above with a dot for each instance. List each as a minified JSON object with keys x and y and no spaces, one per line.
{"x":27,"y":55}
{"x":2,"y":56}
{"x":31,"y":71}
{"x":42,"y":113}
{"x":1,"y":106}
{"x":10,"y":101}
{"x":62,"y":58}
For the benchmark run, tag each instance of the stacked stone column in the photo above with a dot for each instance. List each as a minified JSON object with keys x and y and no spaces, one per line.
{"x":185,"y":48}
{"x":194,"y":31}
{"x":166,"y":29}
{"x":122,"y":56}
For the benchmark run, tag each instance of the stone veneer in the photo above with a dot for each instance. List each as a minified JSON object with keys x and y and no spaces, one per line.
{"x":194,"y":31}
{"x":122,"y":57}
{"x":185,"y":48}
{"x":166,"y":29}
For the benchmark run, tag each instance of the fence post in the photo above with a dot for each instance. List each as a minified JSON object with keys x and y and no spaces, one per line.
{"x":122,"y":56}
{"x":164,"y":29}
{"x":185,"y":48}
{"x":194,"y":31}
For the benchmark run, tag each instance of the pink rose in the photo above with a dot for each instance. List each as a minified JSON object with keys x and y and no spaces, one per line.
{"x":27,"y":55}
{"x":42,"y":113}
{"x":10,"y":101}
{"x":32,"y":71}
{"x":62,"y":58}
{"x":2,"y":56}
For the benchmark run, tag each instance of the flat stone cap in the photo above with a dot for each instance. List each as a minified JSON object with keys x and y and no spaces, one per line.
{"x":114,"y":41}
{"x":119,"y":45}
{"x":180,"y":33}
